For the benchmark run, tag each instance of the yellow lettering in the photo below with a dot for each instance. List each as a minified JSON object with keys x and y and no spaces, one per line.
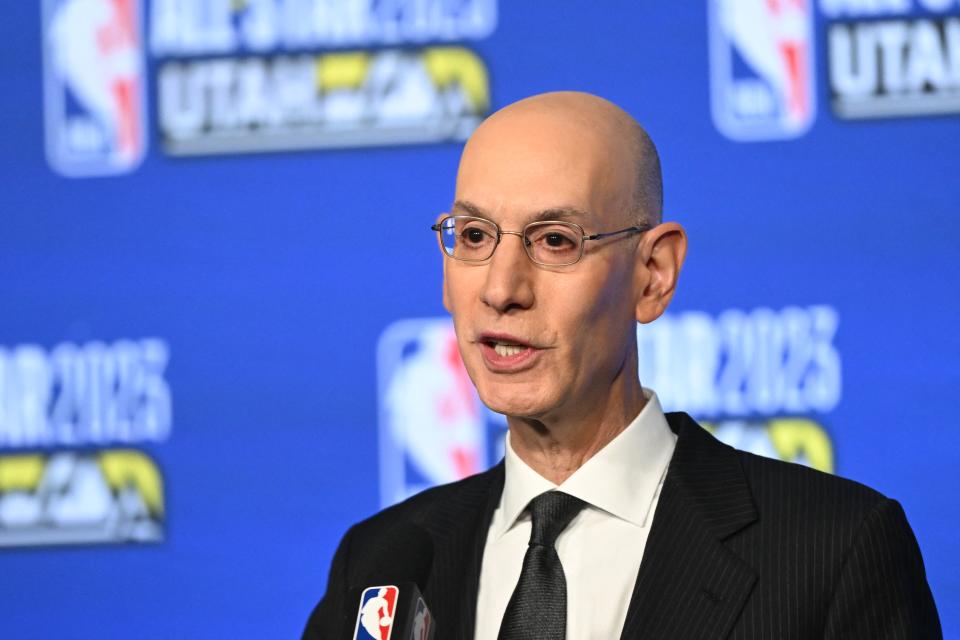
{"x":456,"y":65}
{"x":125,"y":467}
{"x":799,"y":437}
{"x":20,"y":473}
{"x":342,"y":70}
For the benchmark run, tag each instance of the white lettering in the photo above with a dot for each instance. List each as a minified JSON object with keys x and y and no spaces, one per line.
{"x":91,"y":394}
{"x":182,"y":100}
{"x":260,"y":26}
{"x":853,"y":65}
{"x":191,"y":27}
{"x":927,"y":61}
{"x":762,"y":362}
{"x":25,"y":395}
{"x":892,"y":38}
{"x":228,"y":94}
{"x":938,"y":6}
{"x":864,"y":8}
{"x":211,"y":27}
{"x":904,"y":60}
{"x":338,"y":99}
{"x":951,"y":36}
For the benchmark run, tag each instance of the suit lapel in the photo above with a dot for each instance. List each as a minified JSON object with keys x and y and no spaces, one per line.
{"x":690,"y":585}
{"x":458,"y":528}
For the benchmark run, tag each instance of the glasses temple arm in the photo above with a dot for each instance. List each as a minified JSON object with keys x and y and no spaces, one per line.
{"x":597,"y":236}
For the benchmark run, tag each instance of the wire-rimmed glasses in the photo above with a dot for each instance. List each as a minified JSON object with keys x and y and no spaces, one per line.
{"x":551,"y":243}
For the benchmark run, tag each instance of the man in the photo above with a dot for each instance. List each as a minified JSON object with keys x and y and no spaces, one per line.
{"x":607,"y":518}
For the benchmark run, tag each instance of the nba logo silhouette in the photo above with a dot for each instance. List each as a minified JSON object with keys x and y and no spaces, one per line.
{"x":422,"y":621}
{"x":433,"y":427}
{"x":761,"y":68}
{"x":93,"y":86}
{"x":375,"y":618}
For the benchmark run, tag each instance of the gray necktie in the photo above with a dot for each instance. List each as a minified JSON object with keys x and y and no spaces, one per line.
{"x":538,"y":607}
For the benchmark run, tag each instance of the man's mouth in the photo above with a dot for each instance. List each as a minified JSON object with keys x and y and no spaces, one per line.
{"x":504,"y":345}
{"x":505,"y":352}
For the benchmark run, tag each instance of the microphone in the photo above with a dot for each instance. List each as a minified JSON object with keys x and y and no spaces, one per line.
{"x":391,"y":606}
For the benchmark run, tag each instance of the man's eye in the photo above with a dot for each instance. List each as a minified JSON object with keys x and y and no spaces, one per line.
{"x":557,"y":240}
{"x":553,"y":240}
{"x":474,"y":236}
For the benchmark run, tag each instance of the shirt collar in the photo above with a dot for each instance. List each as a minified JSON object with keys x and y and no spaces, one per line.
{"x":621,"y":479}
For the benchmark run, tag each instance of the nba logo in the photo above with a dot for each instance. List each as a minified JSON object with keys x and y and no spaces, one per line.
{"x":377,"y":608}
{"x":93,"y":86}
{"x":761,"y":68}
{"x":433,"y":427}
{"x":422,"y":621}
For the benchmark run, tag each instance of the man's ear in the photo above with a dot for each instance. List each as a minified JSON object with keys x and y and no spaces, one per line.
{"x":661,"y":252}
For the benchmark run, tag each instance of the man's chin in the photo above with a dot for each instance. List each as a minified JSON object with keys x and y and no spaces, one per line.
{"x":514,"y":404}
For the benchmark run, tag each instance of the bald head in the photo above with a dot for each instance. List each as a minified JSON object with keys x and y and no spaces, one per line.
{"x":613,"y":148}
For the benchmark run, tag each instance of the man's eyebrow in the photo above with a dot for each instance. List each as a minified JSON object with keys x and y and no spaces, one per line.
{"x":560,"y":213}
{"x":553,"y":213}
{"x":469,"y":208}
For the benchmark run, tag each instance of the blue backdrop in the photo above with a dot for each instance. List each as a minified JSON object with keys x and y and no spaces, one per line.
{"x":221,"y":310}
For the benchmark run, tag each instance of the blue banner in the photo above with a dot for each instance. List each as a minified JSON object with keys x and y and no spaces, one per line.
{"x":223,"y":340}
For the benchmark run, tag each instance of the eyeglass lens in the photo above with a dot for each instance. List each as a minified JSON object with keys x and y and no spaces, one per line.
{"x":475,"y":239}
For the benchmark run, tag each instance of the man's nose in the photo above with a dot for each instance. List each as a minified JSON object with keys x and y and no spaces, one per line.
{"x":509,"y":276}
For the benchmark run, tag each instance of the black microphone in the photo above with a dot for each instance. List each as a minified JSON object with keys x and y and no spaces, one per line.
{"x":391,"y":604}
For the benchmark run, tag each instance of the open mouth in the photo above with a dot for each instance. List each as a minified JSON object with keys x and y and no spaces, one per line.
{"x":505,"y":352}
{"x":504,"y":345}
{"x":506,"y":349}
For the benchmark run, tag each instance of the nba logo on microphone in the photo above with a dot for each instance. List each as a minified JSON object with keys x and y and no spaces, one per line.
{"x":762,"y":68}
{"x":375,"y":618}
{"x":93,"y":86}
{"x":421,"y":621}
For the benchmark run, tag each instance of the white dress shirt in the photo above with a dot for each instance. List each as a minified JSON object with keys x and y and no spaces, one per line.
{"x":602,"y":547}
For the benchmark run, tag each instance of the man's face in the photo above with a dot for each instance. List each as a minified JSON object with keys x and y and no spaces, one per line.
{"x":544,"y":342}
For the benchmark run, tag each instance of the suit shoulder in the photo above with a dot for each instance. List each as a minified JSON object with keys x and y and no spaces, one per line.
{"x":777,"y":484}
{"x":420,"y":507}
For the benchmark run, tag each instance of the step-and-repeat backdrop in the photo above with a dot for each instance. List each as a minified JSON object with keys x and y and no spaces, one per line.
{"x":222,"y":340}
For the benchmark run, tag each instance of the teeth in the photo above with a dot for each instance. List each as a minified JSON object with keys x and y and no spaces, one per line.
{"x":507,"y":350}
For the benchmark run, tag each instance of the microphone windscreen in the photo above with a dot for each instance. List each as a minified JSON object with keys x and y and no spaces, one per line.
{"x":406,"y":556}
{"x":393,"y":594}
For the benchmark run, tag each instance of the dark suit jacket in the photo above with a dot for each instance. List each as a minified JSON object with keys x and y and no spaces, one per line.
{"x":740,"y":547}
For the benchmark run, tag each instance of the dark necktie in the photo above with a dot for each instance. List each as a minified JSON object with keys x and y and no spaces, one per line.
{"x":538,"y":607}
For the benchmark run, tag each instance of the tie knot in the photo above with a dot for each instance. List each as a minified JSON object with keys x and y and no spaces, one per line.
{"x":551,"y":512}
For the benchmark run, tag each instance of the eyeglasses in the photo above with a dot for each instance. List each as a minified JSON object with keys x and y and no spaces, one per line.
{"x":551,"y":243}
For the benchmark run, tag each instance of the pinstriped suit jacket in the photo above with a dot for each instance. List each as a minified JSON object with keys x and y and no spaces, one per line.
{"x":740,"y":547}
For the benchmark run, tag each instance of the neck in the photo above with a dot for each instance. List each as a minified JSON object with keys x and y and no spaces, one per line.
{"x":556,"y":446}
